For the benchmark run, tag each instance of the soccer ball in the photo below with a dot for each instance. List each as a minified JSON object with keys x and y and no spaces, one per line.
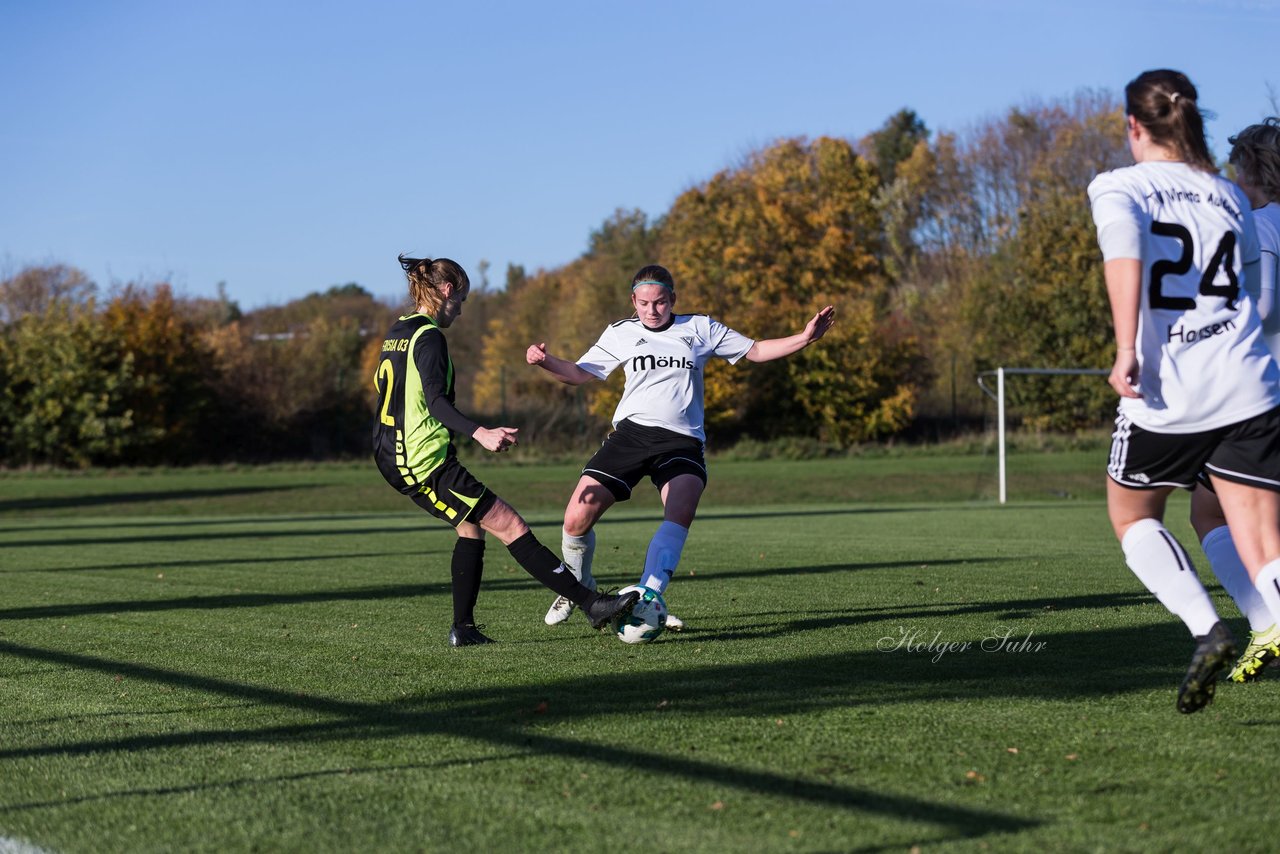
{"x":646,"y":620}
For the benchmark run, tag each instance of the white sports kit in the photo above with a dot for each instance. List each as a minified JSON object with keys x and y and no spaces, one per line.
{"x":1203,"y":361}
{"x":664,"y":369}
{"x":1267,"y":219}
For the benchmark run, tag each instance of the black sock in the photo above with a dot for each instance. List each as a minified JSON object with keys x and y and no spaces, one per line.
{"x":466,"y":569}
{"x":542,"y":564}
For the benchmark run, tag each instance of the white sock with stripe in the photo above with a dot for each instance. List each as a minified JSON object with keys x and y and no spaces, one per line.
{"x":1225,"y":561}
{"x":664,"y":554}
{"x":1268,"y":585}
{"x":577,"y":553}
{"x":1163,"y":566}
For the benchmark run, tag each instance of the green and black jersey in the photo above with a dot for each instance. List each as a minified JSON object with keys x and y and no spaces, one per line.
{"x":416,"y":417}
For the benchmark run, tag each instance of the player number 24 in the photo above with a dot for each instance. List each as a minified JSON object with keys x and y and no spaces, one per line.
{"x":1222,"y":258}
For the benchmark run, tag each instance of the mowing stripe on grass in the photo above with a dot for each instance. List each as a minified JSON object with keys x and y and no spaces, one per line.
{"x":964,"y":821}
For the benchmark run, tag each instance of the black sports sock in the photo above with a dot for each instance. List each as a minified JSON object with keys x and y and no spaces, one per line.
{"x":542,"y":564}
{"x":466,"y":570}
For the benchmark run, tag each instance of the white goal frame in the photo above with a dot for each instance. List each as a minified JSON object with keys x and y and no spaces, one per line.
{"x":998,"y":397}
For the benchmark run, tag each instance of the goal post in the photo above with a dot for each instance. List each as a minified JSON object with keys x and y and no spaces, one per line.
{"x":998,"y":396}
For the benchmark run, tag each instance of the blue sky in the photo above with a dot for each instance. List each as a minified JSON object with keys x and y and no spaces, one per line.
{"x":282,"y":148}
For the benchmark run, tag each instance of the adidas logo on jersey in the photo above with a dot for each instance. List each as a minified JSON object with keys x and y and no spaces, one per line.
{"x":638,"y":343}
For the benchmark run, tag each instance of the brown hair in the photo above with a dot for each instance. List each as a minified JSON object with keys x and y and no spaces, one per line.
{"x":1255,"y":152}
{"x":1164,"y":102}
{"x":654,"y":274}
{"x":426,"y":276}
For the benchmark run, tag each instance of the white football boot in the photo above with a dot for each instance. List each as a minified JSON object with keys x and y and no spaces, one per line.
{"x":559,"y":611}
{"x":674,"y":623}
{"x":561,"y":608}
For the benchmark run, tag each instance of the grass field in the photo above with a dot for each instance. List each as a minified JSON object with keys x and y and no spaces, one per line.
{"x":878,"y":658}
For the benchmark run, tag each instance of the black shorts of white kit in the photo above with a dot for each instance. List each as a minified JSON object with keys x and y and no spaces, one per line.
{"x":634,"y":450}
{"x":1247,"y":452}
{"x":451,"y":493}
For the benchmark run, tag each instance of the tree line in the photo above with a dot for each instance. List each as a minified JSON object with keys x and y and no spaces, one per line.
{"x":945,"y":253}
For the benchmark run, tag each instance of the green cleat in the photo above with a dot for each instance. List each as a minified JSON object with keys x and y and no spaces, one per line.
{"x":1263,"y":648}
{"x":1213,"y":652}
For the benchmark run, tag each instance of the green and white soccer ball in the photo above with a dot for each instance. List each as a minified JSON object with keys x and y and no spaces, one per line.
{"x":646,"y":620}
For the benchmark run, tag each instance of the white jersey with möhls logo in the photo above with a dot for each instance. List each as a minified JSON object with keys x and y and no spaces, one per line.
{"x":1203,"y":362}
{"x":664,"y":385}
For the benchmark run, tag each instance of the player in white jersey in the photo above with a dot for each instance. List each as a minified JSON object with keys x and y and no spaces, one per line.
{"x":658,"y":424}
{"x":1255,"y":154}
{"x":1198,"y":388}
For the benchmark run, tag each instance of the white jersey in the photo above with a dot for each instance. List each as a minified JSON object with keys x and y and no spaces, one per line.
{"x":664,"y":369}
{"x":1267,"y":219}
{"x":1202,"y":360}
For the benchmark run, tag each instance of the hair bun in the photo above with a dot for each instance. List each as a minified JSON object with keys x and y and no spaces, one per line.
{"x":411,"y":264}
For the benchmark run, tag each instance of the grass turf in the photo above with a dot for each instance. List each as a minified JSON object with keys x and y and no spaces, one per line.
{"x":877,"y":658}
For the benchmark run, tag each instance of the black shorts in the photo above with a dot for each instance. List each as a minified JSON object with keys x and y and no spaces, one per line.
{"x":634,"y":450}
{"x":451,"y":493}
{"x":1247,"y":452}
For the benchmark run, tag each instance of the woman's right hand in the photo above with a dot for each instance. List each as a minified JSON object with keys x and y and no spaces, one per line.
{"x":536,"y":354}
{"x":496,"y":439}
{"x":1124,"y":373}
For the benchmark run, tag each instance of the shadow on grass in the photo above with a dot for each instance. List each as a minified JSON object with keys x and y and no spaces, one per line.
{"x":236,"y":600}
{"x":492,"y":582}
{"x":69,"y":537}
{"x":353,"y":773}
{"x":211,"y":536}
{"x":487,"y":716}
{"x":115,"y":523}
{"x":1069,"y":667}
{"x":106,"y":499}
{"x":244,"y":561}
{"x":1003,"y":611}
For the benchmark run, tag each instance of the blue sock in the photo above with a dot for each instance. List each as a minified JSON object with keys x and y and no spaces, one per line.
{"x":663,"y":556}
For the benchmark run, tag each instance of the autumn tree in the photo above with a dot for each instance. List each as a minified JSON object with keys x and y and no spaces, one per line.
{"x":995,"y":253}
{"x":32,"y":290}
{"x":170,"y":407}
{"x":567,"y":308}
{"x":763,"y":246}
{"x":64,"y":380}
{"x":1042,"y":301}
{"x":893,"y":142}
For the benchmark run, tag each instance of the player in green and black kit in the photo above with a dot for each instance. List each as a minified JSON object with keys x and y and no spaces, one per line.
{"x":413,"y":446}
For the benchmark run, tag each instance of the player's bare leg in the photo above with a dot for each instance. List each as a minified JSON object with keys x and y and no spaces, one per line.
{"x":1162,"y":565}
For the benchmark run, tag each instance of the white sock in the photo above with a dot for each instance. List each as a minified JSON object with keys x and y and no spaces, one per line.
{"x":577,"y":553}
{"x":1268,"y":584}
{"x":1225,"y":560}
{"x":1163,"y":566}
{"x":664,"y":554}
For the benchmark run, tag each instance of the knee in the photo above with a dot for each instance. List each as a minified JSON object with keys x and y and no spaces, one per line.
{"x":577,"y":523}
{"x":504,"y":523}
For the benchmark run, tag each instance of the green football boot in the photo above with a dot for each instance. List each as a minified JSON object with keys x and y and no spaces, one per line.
{"x":1263,"y":648}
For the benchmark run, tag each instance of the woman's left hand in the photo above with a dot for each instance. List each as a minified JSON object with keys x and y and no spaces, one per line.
{"x":820,"y":323}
